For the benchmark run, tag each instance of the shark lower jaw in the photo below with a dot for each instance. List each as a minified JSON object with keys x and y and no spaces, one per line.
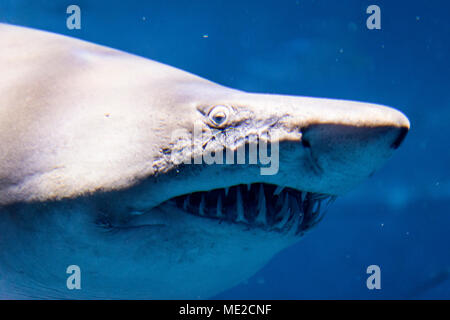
{"x":263,"y":206}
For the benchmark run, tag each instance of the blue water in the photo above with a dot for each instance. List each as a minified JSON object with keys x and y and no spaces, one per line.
{"x":398,"y":219}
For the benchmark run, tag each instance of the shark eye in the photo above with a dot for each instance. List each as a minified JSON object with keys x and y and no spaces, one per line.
{"x":219,"y":115}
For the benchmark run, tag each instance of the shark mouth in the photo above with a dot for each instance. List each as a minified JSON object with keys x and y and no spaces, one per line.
{"x":267,"y":206}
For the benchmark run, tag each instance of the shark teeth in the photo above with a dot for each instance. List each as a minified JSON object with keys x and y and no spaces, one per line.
{"x":240,"y":207}
{"x":261,"y":207}
{"x":285,"y":212}
{"x":293,"y":229}
{"x":201,"y":207}
{"x":298,"y":217}
{"x":278,"y":190}
{"x":303,"y":196}
{"x":265,"y":206}
{"x":315,"y":206}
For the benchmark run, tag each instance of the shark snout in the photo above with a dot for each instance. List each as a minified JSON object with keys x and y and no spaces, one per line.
{"x":356,"y":142}
{"x":329,"y":145}
{"x":335,"y":136}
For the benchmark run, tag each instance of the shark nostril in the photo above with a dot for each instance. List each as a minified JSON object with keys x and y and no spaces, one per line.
{"x":305,"y":143}
{"x":401,"y":136}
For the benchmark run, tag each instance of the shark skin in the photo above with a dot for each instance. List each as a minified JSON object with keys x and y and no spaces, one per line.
{"x":91,"y":174}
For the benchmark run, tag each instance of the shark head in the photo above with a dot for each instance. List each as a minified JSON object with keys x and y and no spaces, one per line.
{"x":265,"y":160}
{"x":158,"y":183}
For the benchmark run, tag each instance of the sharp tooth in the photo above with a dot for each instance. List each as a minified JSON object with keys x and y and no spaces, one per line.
{"x":298,"y":213}
{"x":278,"y":190}
{"x":317,"y":212}
{"x":303,"y":196}
{"x":186,"y":202}
{"x":318,"y":196}
{"x":285,"y":212}
{"x":219,"y":206}
{"x":261,"y":217}
{"x":309,"y":207}
{"x":294,"y":226}
{"x":239,"y":206}
{"x":294,"y":205}
{"x":227,"y":189}
{"x":201,"y":207}
{"x":329,"y":201}
{"x":280,"y":225}
{"x":315,"y":206}
{"x":301,"y":216}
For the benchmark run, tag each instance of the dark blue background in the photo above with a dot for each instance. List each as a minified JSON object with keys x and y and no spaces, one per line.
{"x":399,"y":219}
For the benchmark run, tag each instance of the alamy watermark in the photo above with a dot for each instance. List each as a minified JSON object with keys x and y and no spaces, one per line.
{"x":374,"y":280}
{"x":73,"y":21}
{"x":374,"y":20}
{"x":73,"y":281}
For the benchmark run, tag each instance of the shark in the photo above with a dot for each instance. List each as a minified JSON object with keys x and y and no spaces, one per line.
{"x":98,"y":171}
